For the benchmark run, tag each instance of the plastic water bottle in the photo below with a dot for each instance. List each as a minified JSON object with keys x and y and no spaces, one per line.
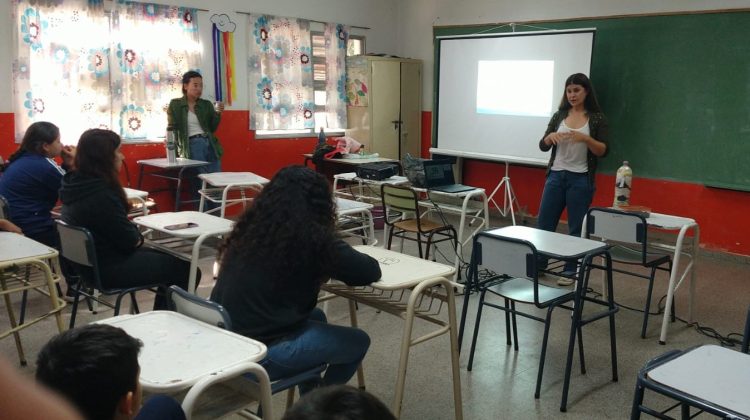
{"x":623,"y":182}
{"x":171,"y":144}
{"x":321,"y":137}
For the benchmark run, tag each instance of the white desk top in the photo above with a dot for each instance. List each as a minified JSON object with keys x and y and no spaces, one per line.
{"x":401,"y":271}
{"x":666,"y":221}
{"x":223,"y":179}
{"x":178,"y":351}
{"x":711,"y":373}
{"x":131,"y":193}
{"x":207,"y":223}
{"x":15,"y":247}
{"x":164,"y":163}
{"x":553,"y":244}
{"x":352,"y":176}
{"x":345,"y":206}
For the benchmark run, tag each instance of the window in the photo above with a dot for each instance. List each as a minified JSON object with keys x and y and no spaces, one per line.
{"x":82,"y":67}
{"x":355,"y":46}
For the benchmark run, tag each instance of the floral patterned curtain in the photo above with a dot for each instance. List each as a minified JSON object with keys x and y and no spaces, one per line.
{"x":280,"y":77}
{"x":147,"y":73}
{"x":336,"y":36}
{"x":59,"y":75}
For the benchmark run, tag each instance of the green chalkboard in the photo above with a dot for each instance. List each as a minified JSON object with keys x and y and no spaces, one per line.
{"x":676,"y":90}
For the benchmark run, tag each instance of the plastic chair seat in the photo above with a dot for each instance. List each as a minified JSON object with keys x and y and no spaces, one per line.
{"x":427,"y":225}
{"x":625,"y":255}
{"x":522,"y":290}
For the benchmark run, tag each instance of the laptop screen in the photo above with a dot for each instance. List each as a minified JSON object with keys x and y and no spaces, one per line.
{"x":438,"y":173}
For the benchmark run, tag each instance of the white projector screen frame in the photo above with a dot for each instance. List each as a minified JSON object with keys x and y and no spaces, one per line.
{"x":467,"y":126}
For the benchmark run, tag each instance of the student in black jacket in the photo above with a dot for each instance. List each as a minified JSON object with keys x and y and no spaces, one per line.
{"x":93,"y":198}
{"x":280,"y":251}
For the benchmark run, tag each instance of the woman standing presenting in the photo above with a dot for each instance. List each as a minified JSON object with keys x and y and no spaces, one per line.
{"x":577,"y":134}
{"x":272,"y":265}
{"x":196,"y":120}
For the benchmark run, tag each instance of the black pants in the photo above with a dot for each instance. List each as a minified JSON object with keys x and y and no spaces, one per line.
{"x":147,"y":266}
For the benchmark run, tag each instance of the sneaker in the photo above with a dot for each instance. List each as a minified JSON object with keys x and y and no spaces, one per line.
{"x":564,"y":281}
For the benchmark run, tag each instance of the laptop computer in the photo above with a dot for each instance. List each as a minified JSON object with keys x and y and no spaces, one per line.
{"x":438,"y":176}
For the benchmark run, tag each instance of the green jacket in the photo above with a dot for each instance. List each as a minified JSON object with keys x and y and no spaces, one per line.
{"x":207,"y":117}
{"x":598,"y":129}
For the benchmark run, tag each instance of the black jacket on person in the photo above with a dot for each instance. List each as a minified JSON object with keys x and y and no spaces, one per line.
{"x":90,"y":203}
{"x":263,"y":309}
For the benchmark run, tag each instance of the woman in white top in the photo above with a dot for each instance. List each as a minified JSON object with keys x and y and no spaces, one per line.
{"x":577,"y":134}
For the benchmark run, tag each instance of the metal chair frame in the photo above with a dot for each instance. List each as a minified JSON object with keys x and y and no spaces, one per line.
{"x":684,"y":400}
{"x":77,"y":247}
{"x":628,"y":235}
{"x":213,"y":313}
{"x":404,"y":200}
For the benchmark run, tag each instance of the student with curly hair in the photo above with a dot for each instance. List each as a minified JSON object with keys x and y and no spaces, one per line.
{"x":280,"y":251}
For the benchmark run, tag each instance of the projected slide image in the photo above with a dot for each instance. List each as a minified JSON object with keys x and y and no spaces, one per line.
{"x":515,"y":87}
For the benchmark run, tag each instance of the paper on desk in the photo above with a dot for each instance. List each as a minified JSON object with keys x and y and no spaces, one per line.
{"x":358,"y":156}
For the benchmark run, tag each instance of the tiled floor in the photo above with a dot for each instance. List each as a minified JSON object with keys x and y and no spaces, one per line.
{"x":501,"y":384}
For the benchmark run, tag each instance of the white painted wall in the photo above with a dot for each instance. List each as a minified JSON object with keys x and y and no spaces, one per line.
{"x":417,"y":18}
{"x":380,"y":15}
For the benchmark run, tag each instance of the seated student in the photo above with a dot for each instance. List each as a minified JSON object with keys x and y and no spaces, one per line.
{"x":95,"y":367}
{"x":339,"y":402}
{"x":272,"y":265}
{"x":93,"y":198}
{"x":31,"y":180}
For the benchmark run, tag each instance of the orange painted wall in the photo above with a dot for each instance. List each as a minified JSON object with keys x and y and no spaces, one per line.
{"x":242,"y":152}
{"x":722,"y":215}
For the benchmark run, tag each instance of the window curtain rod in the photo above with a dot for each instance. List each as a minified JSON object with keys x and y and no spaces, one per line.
{"x":311,"y":20}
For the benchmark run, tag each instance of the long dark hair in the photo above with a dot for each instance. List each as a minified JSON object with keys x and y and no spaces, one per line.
{"x":95,"y":157}
{"x":591,"y":104}
{"x":290,"y":226}
{"x":37,"y":135}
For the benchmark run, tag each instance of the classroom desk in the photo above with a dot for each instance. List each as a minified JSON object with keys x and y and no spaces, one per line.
{"x":218,"y":185}
{"x":25,"y":265}
{"x":681,"y":225}
{"x":409,"y":287}
{"x":359,"y":214}
{"x":179,"y":352}
{"x":472,"y":206}
{"x":166,"y":170}
{"x":565,"y":248}
{"x":717,"y":378}
{"x":208,"y":226}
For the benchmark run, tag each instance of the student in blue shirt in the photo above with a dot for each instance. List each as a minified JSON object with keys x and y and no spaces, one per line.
{"x":31,"y":181}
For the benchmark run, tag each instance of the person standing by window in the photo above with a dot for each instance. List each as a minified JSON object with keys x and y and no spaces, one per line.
{"x":577,"y":134}
{"x":196,"y":121}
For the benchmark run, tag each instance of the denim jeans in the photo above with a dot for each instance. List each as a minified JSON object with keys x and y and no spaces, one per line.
{"x":201,"y":149}
{"x":565,"y":189}
{"x":343,"y":348}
